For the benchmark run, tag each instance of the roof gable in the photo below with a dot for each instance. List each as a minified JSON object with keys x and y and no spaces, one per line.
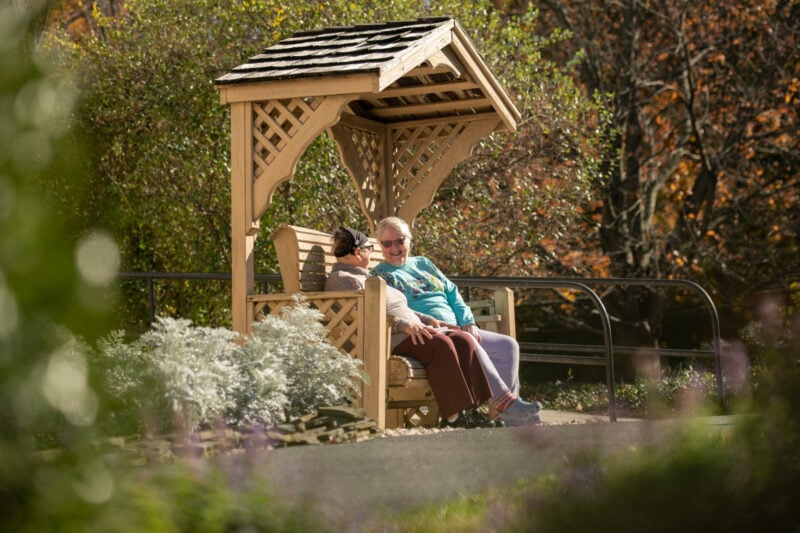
{"x":396,"y":71}
{"x":339,"y":50}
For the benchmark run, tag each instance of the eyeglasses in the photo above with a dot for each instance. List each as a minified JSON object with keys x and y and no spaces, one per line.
{"x":368,"y":247}
{"x":397,"y":242}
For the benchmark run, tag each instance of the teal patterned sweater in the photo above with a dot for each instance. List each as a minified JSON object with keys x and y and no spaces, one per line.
{"x":427,"y":289}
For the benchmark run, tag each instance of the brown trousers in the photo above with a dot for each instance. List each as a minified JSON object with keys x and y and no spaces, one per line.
{"x":454,"y":371}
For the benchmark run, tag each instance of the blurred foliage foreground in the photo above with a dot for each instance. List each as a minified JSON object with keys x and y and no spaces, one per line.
{"x":743,"y":478}
{"x":741,"y":481}
{"x":51,"y":385}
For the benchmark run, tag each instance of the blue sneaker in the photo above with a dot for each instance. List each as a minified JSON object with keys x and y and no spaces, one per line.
{"x":521,"y":413}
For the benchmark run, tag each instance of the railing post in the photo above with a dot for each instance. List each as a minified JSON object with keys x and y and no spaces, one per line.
{"x":504,"y":299}
{"x":151,"y":299}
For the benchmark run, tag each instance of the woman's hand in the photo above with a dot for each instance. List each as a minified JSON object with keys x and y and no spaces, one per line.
{"x":473,"y":330}
{"x":419,"y":332}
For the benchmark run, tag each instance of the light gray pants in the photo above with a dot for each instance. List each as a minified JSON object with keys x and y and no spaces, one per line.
{"x":499,"y":356}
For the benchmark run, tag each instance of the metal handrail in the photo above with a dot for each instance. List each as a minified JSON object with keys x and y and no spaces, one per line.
{"x":644,"y":282}
{"x":712,"y":311}
{"x":562,"y":283}
{"x":152,"y":276}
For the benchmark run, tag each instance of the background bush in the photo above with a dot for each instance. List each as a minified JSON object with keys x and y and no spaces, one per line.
{"x":674,"y":392}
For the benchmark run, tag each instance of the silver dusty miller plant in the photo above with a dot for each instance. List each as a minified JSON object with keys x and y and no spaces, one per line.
{"x":316,"y":372}
{"x":180,"y":376}
{"x":174,"y":375}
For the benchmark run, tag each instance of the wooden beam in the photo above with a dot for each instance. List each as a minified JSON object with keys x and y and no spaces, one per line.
{"x":410,"y":124}
{"x":504,"y":106}
{"x":350,"y":120}
{"x":431,"y":88}
{"x":426,"y":70}
{"x":388,"y":179}
{"x":298,"y":88}
{"x":431,"y":108}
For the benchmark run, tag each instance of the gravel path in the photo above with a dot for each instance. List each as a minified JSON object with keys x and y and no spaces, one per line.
{"x":351,"y":483}
{"x":549,"y":418}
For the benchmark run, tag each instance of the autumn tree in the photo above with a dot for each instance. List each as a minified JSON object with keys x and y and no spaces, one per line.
{"x":703,"y":172}
{"x":160,"y":141}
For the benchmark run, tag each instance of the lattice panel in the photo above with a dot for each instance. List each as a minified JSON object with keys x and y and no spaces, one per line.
{"x":369,"y":147}
{"x":340,"y":317}
{"x":421,"y":415}
{"x":416,"y":152}
{"x":363,"y":152}
{"x":275,"y":123}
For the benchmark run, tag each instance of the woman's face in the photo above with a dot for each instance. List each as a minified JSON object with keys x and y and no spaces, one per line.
{"x":396,"y":252}
{"x":362,"y":255}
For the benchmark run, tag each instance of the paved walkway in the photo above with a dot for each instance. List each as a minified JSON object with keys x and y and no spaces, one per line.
{"x":351,"y":482}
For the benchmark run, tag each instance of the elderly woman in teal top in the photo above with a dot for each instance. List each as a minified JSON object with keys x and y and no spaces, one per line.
{"x":430,"y":292}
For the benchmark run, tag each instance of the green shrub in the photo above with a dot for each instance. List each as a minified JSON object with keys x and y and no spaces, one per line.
{"x":173,"y":374}
{"x":316,"y":372}
{"x":674,"y":391}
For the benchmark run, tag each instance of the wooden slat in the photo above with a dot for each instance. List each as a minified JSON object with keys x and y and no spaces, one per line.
{"x":468,"y":104}
{"x":306,"y":257}
{"x":402,"y":370}
{"x":433,"y":88}
{"x":410,"y":394}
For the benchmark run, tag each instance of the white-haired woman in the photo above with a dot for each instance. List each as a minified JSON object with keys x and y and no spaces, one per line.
{"x":430,"y":292}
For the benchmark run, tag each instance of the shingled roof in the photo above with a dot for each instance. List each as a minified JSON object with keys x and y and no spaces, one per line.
{"x":403,"y":71}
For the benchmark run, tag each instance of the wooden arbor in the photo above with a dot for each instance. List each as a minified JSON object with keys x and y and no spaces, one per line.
{"x":404,"y":101}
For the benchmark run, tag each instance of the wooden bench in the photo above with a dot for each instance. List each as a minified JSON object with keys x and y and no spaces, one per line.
{"x":398,"y":393}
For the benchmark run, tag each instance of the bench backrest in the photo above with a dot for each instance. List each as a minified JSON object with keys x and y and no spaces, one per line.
{"x":305,"y":257}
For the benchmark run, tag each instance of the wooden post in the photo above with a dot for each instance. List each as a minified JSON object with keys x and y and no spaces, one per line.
{"x":376,"y":349}
{"x":504,"y":305}
{"x":242,"y":236}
